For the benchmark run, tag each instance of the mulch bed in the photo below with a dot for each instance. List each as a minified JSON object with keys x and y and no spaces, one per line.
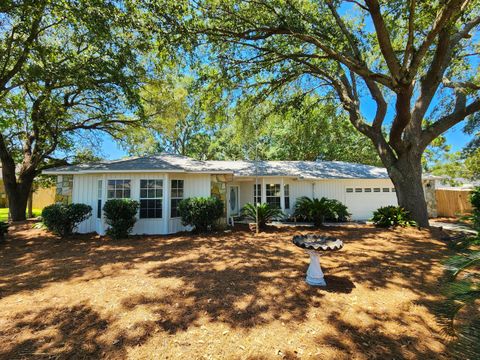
{"x":229,"y":295}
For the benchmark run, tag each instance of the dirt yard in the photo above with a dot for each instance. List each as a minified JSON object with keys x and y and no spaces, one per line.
{"x":223,"y":296}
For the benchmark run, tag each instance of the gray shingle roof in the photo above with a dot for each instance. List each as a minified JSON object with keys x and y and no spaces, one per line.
{"x":177,"y":163}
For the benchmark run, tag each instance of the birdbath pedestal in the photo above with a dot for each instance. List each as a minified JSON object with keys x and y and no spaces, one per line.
{"x":314,"y":245}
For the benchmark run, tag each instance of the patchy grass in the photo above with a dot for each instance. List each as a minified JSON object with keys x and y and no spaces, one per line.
{"x":230,"y":295}
{"x":4,"y":213}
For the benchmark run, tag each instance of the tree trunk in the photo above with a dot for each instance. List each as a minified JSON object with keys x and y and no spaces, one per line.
{"x":18,"y":192}
{"x":406,"y":174}
{"x":17,"y":203}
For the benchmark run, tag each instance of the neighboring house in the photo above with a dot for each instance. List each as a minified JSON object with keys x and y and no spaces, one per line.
{"x":41,"y":196}
{"x":159,"y":183}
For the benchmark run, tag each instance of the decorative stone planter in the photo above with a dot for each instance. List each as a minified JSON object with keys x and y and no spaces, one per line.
{"x":314,"y":245}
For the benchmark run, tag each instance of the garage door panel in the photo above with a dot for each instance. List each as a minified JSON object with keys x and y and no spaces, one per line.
{"x":362,"y":204}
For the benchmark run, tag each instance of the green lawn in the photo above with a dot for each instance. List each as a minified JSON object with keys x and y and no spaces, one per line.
{"x":4,"y":213}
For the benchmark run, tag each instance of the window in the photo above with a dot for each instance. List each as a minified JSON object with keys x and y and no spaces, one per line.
{"x":176,"y":195}
{"x":358,"y":190}
{"x":376,"y":189}
{"x":349,"y":190}
{"x":393,"y":190}
{"x":118,"y":189}
{"x":99,"y":199}
{"x":367,"y":190}
{"x":151,"y":194}
{"x":386,"y":190}
{"x":257,"y":193}
{"x":273,"y":194}
{"x":286,"y":194}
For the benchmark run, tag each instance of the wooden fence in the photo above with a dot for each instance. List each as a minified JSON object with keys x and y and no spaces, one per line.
{"x":452,"y":202}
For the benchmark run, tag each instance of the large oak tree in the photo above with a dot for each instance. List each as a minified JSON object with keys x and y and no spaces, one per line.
{"x":67,"y":68}
{"x":413,"y":60}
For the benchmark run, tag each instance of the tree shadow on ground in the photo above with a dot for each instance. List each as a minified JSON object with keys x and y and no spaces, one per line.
{"x":65,"y":332}
{"x":232,"y":278}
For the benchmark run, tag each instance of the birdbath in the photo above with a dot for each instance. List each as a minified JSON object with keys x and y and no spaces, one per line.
{"x":314,"y":245}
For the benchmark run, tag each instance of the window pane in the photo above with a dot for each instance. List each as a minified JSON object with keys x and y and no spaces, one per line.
{"x":99,"y":208}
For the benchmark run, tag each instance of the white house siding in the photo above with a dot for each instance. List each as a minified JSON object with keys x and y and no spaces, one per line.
{"x":85,"y":190}
{"x":194,"y":185}
{"x":361,"y":205}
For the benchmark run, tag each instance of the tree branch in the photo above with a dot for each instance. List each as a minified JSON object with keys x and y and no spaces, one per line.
{"x":384,"y":39}
{"x":443,"y":124}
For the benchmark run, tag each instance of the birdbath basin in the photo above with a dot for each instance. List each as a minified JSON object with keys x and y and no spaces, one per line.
{"x":315,"y":245}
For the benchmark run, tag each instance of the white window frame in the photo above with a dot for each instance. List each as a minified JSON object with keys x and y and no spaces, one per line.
{"x":176,"y":197}
{"x":157,"y":195}
{"x":116,"y":182}
{"x":277,"y":189}
{"x":257,"y":194}
{"x":286,"y":195}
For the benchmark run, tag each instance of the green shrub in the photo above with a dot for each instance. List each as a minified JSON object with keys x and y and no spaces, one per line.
{"x":336,"y":211}
{"x":120,"y":215}
{"x":388,"y":216}
{"x":201,"y":212}
{"x":320,"y":210}
{"x":3,"y":229}
{"x":475,"y":201}
{"x":62,"y":219}
{"x":266,"y":213}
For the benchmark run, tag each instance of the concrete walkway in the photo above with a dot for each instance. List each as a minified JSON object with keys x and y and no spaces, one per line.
{"x":453,"y":226}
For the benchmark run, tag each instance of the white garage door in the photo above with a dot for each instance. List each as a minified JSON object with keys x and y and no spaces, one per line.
{"x":363,"y":201}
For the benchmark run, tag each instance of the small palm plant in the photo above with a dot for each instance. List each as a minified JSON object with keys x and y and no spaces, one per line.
{"x":466,"y":264}
{"x":467,"y":290}
{"x":390,"y":216}
{"x":312,"y":209}
{"x":266,"y":213}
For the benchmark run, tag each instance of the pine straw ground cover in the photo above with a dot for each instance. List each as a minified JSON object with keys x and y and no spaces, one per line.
{"x":224,"y":296}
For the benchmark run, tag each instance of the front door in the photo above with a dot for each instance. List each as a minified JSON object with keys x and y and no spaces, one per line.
{"x":233,"y":201}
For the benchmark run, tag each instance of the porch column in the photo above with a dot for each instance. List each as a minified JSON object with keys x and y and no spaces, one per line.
{"x":104,"y":200}
{"x":166,"y":204}
{"x":282,"y":195}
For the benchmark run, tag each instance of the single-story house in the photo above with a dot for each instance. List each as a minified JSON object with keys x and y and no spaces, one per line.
{"x":159,"y":183}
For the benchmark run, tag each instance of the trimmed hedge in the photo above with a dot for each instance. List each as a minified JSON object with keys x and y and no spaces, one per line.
{"x":62,"y":219}
{"x":201,"y":212}
{"x":120,"y":215}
